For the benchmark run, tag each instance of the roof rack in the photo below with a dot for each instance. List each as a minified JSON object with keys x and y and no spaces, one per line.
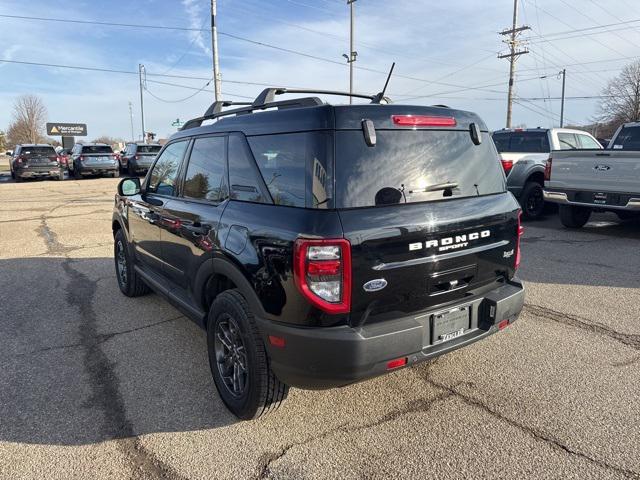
{"x":266,"y":99}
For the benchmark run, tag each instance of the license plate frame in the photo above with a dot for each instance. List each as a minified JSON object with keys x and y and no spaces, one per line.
{"x":450,"y":324}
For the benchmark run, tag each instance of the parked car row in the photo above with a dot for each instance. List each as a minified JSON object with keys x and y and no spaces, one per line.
{"x":84,"y":159}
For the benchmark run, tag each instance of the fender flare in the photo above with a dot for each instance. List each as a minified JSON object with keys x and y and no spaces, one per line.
{"x":220,"y":266}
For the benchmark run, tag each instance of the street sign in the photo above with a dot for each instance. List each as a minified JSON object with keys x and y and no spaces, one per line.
{"x":67,"y":129}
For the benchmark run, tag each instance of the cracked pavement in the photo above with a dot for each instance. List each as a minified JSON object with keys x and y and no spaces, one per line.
{"x":94,"y":384}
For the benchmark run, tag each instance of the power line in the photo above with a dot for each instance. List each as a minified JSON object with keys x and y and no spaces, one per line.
{"x":244,"y":39}
{"x":180,"y":99}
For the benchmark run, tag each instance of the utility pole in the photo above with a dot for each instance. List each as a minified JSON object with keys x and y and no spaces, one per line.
{"x":352,"y":53}
{"x":133,"y":138}
{"x":140,"y":72}
{"x":564,"y":77}
{"x":217,"y":78}
{"x":513,"y":54}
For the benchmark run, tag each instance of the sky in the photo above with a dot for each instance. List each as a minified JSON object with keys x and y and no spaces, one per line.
{"x":445,"y":53}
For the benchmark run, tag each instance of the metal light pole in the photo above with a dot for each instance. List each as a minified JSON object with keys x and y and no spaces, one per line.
{"x":217,"y":78}
{"x":352,"y":53}
{"x":140,"y":71}
{"x":564,"y":77}
{"x":133,"y":138}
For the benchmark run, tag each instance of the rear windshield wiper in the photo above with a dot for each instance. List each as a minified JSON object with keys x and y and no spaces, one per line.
{"x":435,"y":187}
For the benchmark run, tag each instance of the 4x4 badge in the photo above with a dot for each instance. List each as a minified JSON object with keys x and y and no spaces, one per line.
{"x":375,"y":285}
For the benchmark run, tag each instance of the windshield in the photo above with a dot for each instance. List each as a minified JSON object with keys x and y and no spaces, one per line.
{"x":149,"y":148}
{"x":414,"y":166}
{"x":38,"y":151}
{"x":96,"y":149}
{"x":522,"y":142}
{"x":628,"y":139}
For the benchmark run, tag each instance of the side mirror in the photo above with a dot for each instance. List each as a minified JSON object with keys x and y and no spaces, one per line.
{"x":129,"y":186}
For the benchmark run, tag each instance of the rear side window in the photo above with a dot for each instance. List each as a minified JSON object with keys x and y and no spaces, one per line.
{"x":96,"y":149}
{"x":589,"y":143}
{"x":414,"y":166}
{"x":628,"y":139}
{"x":246,"y":183}
{"x":296,"y":167}
{"x":205,"y":174}
{"x":567,"y":141}
{"x":522,"y":142}
{"x":38,"y":151}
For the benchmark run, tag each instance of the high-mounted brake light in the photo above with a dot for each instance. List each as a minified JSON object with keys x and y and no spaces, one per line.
{"x":520,"y":233}
{"x":322,"y":272}
{"x":507,"y":165}
{"x":547,"y":169}
{"x":423,"y":121}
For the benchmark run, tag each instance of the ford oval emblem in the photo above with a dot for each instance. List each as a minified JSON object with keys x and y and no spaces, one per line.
{"x":375,"y":285}
{"x":602,"y":168}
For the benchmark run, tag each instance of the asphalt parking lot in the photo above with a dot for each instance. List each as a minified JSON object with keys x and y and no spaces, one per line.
{"x":94,"y":384}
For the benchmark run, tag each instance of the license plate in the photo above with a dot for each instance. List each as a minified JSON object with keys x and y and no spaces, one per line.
{"x":600,"y":198}
{"x":450,"y":324}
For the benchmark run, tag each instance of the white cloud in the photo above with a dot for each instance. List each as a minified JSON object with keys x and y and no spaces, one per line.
{"x":197,"y":19}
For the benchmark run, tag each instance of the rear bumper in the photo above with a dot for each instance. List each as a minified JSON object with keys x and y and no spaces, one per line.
{"x":36,"y":172}
{"x":319,"y":358}
{"x":140,"y":165}
{"x":98,"y":169}
{"x":632,"y":203}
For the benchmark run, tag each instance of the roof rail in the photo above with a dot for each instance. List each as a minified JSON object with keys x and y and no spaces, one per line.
{"x":266,"y":99}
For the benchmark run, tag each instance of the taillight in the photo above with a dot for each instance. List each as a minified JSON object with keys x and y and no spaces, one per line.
{"x":507,"y":165}
{"x":547,"y":169}
{"x":21,"y":158}
{"x":137,"y":157}
{"x":81,"y":158}
{"x":322,"y":271}
{"x":423,"y":121}
{"x":520,"y":233}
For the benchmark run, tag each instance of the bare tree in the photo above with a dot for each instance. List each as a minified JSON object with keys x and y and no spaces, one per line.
{"x":621,"y":97}
{"x":29,"y":118}
{"x":108,"y":140}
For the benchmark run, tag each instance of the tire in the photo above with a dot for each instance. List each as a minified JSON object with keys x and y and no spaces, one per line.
{"x":129,"y":282}
{"x":13,"y":175}
{"x":232,"y":340}
{"x":18,"y":178}
{"x":60,"y":175}
{"x":574,"y":217}
{"x":116,"y":174}
{"x":532,"y":201}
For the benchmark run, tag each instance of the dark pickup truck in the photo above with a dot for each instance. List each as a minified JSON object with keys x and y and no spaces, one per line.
{"x":320,"y":245}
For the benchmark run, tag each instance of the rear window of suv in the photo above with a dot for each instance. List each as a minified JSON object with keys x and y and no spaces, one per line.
{"x":149,"y":148}
{"x":403,"y":164}
{"x":522,"y":142}
{"x":38,"y":151}
{"x":96,"y":149}
{"x":628,"y":139}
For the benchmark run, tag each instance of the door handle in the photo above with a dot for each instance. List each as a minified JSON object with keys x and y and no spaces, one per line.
{"x":198,"y":228}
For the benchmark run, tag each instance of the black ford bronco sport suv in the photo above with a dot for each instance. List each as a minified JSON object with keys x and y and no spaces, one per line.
{"x":320,"y":245}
